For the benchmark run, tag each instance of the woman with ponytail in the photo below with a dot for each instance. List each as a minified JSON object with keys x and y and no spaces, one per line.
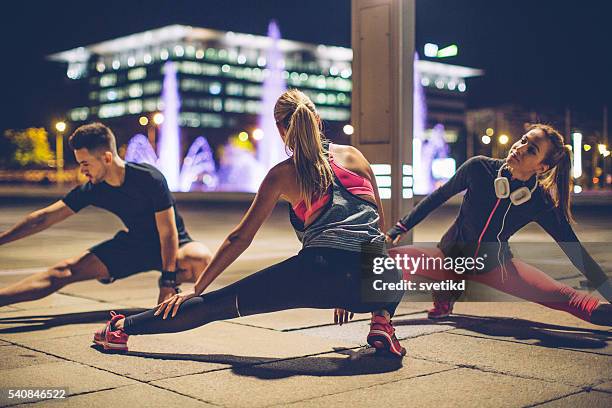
{"x":337,"y":214}
{"x":533,"y":183}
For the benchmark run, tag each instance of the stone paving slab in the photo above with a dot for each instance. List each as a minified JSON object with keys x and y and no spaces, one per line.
{"x":562,"y":366}
{"x":306,"y":318}
{"x":8,"y":309}
{"x":77,"y":378}
{"x":13,"y":357}
{"x":405,"y":327}
{"x":212,"y":347}
{"x":138,"y":395}
{"x":455,"y":388}
{"x":523,"y":310}
{"x":543,"y":334}
{"x":283,"y":382}
{"x":55,"y":300}
{"x":607,"y":387}
{"x":593,"y":399}
{"x":56,"y":322}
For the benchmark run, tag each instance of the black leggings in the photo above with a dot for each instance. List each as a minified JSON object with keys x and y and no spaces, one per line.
{"x":321,"y":278}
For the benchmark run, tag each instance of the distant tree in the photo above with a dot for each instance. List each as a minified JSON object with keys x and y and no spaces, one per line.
{"x":26,"y":148}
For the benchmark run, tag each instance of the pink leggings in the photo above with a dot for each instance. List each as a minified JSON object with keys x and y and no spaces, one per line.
{"x":521,"y":280}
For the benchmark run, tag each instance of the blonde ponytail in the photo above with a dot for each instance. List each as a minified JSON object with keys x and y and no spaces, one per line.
{"x":297,"y":114}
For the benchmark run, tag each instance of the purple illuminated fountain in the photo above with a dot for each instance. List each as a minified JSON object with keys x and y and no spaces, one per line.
{"x":170,"y":142}
{"x":198,"y":165}
{"x":271,"y":149}
{"x":425,"y":147}
{"x":240,"y":169}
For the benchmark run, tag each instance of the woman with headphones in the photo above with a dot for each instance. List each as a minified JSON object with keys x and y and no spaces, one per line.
{"x":532,"y":184}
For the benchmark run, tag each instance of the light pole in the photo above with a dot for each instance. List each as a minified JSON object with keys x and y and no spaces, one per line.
{"x":60,"y":127}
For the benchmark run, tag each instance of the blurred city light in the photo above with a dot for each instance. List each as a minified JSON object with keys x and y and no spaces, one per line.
{"x":143,"y":120}
{"x":243,"y":136}
{"x":503,"y":139}
{"x":60,"y":126}
{"x":443,"y":168}
{"x":449,"y":51}
{"x":577,"y":189}
{"x":577,"y":162}
{"x":158,"y":118}
{"x":587,"y":147}
{"x":258,"y":134}
{"x":431,"y":50}
{"x":348,"y":129}
{"x":486,"y":139}
{"x":489,"y":132}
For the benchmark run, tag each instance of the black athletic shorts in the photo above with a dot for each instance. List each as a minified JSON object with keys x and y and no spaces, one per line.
{"x":125,"y":255}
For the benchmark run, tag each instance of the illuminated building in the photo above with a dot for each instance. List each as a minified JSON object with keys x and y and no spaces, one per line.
{"x":220,"y":82}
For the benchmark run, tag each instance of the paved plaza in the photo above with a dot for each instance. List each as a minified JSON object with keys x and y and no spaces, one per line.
{"x":498,"y":354}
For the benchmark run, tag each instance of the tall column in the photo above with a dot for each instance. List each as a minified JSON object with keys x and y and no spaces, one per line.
{"x":382,"y":97}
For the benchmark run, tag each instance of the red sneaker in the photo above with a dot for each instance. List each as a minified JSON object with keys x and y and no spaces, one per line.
{"x":111,"y":338}
{"x":382,"y":336}
{"x":444,"y":301}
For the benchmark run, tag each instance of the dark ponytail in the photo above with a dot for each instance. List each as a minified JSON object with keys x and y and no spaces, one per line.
{"x":557,"y":181}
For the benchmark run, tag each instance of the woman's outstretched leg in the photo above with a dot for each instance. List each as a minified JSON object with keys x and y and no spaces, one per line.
{"x":528,"y":282}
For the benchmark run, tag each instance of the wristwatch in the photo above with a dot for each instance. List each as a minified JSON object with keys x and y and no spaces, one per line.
{"x":168,"y":280}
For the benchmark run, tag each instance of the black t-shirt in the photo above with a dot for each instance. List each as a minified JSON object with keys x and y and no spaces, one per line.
{"x":476,"y":176}
{"x":143,"y":193}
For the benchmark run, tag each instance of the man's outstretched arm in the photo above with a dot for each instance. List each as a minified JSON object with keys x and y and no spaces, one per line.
{"x":37,"y":221}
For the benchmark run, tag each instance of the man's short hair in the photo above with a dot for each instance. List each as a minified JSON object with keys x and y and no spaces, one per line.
{"x":93,"y":136}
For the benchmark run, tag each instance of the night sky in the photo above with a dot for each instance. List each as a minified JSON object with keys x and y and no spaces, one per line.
{"x":539,"y":53}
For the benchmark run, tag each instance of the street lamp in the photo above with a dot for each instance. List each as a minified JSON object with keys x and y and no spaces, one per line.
{"x":158,"y":118}
{"x":60,"y":127}
{"x":503,"y":139}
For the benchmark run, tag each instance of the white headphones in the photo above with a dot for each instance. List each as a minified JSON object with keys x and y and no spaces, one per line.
{"x":518,"y":196}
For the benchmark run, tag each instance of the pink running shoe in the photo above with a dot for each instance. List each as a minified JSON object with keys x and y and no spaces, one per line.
{"x":111,"y":338}
{"x":382,"y":337}
{"x":444,"y":301}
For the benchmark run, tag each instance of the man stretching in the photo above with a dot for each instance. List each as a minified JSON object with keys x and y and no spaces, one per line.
{"x":155,"y":239}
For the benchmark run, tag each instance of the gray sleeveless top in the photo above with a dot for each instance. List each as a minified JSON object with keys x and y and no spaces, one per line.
{"x":347,"y":222}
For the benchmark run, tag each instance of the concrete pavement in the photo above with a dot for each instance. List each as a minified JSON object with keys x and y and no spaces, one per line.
{"x":498,"y":354}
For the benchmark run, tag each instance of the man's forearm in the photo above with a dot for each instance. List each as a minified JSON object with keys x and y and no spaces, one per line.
{"x":169,"y":251}
{"x":32,"y":224}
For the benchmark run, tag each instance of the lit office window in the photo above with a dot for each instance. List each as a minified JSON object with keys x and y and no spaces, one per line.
{"x":108,"y":80}
{"x":135,"y":106}
{"x":336,"y":114}
{"x":137,"y":73}
{"x":150,"y":104}
{"x":135,"y":90}
{"x":211,"y":70}
{"x":188,"y":67}
{"x":211,"y":54}
{"x":253,"y":107}
{"x":152,"y":87}
{"x":211,"y":120}
{"x":234,"y":105}
{"x":253,"y":91}
{"x":189,"y":119}
{"x":215,"y":88}
{"x":78,"y":114}
{"x":111,"y":110}
{"x":233,"y":88}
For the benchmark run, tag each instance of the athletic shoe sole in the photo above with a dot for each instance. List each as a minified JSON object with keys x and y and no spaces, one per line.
{"x":381,"y":340}
{"x":438,"y":316}
{"x":111,"y":346}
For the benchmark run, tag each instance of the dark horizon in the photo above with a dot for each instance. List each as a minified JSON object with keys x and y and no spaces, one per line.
{"x":540,"y":55}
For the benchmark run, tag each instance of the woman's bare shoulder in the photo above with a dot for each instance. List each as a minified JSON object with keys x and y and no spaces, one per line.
{"x":348,"y":155}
